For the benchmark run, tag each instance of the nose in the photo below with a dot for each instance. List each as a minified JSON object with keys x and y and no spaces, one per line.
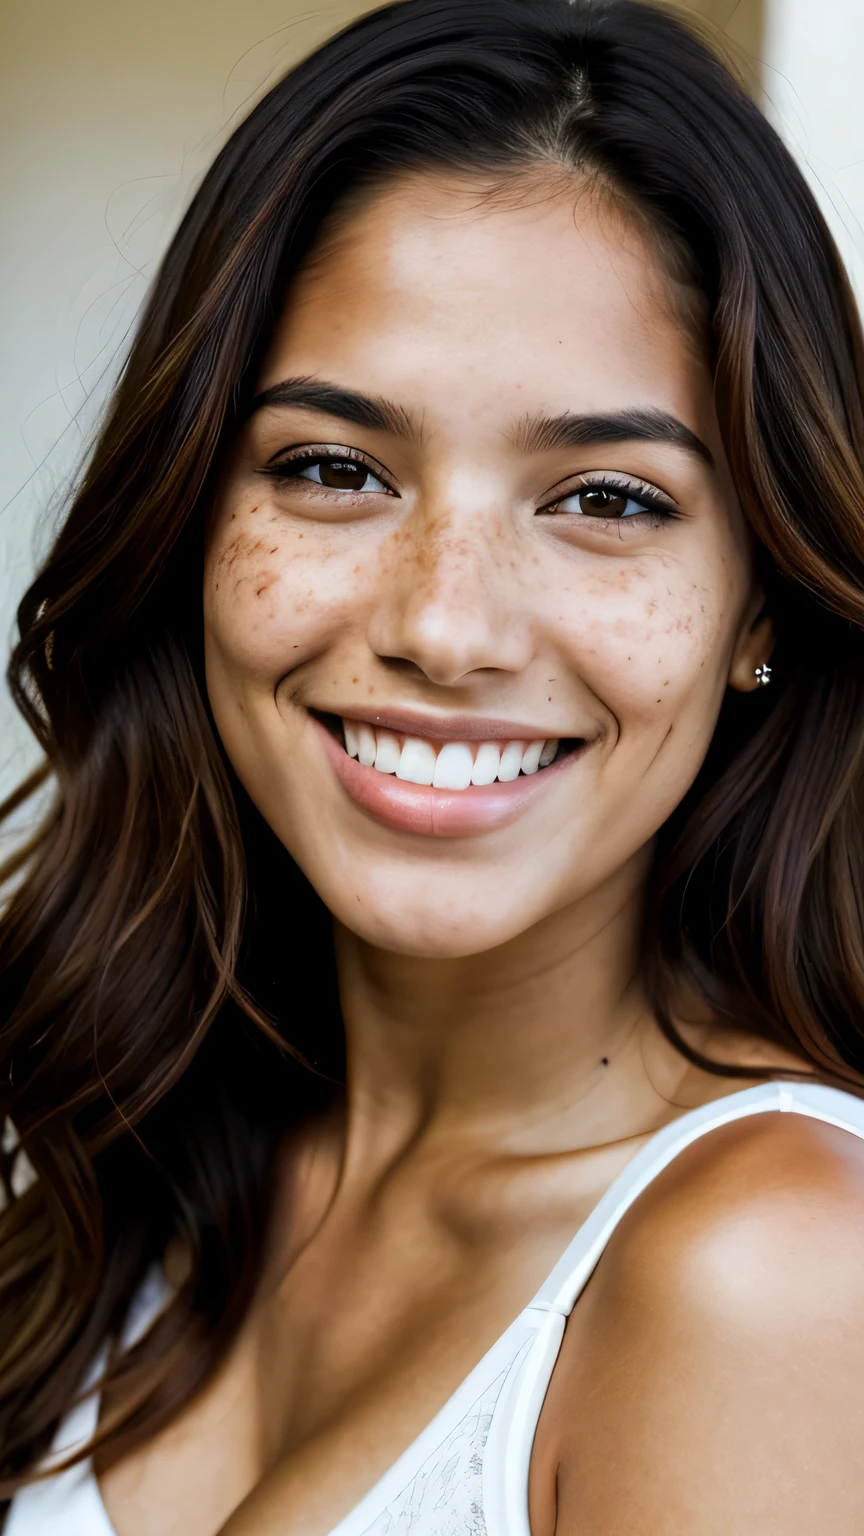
{"x":452,"y":597}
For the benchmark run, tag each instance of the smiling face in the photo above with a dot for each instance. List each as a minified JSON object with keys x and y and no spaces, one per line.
{"x":479,"y":527}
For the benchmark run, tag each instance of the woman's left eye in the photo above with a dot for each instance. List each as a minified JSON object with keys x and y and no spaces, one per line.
{"x":332,"y":473}
{"x":603,"y":501}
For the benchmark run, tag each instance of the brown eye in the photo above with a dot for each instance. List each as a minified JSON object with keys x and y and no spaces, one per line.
{"x":331,"y":473}
{"x":342,"y":474}
{"x":602,"y":503}
{"x":614,"y":503}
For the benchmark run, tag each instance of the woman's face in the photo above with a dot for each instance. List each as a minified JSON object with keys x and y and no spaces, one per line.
{"x":482,"y":508}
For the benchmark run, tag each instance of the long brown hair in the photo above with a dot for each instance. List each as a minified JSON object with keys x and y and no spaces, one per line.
{"x":156,"y":1032}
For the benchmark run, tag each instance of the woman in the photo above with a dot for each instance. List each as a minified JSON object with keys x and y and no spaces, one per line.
{"x":502,"y":391}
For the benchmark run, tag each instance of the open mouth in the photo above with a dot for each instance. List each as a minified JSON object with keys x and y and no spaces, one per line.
{"x":449,"y":765}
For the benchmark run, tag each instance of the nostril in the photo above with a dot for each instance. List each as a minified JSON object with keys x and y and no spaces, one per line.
{"x":402,"y":666}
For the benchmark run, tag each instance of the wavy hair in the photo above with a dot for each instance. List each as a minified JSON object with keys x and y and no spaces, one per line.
{"x":157,"y":1037}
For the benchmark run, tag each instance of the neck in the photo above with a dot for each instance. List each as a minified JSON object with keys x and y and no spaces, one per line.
{"x":538,"y":1045}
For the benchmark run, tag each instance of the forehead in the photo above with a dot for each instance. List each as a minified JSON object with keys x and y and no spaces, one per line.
{"x":435,"y":282}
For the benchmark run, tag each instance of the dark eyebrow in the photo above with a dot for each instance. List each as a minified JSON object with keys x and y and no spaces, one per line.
{"x":539,"y":434}
{"x":346,"y":404}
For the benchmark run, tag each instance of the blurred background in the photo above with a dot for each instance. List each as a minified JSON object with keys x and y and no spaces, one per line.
{"x":111,"y":112}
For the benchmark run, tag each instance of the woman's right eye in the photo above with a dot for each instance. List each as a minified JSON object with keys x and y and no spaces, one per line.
{"x":332,"y":473}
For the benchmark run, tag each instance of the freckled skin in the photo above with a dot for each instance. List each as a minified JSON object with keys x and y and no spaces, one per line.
{"x":502,"y":1058}
{"x":453,"y":594}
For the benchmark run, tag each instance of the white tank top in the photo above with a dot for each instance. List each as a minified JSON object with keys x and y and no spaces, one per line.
{"x":466,"y":1474}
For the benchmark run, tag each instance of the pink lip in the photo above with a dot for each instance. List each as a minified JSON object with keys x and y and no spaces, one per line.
{"x":436,"y":812}
{"x":403,"y":722}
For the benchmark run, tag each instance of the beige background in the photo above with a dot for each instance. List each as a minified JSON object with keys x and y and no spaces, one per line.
{"x":109,"y":113}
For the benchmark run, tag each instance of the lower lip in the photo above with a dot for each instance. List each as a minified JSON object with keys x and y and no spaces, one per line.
{"x":437,"y":812}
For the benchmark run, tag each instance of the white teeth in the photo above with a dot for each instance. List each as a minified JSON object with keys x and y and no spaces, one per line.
{"x":531,"y":757}
{"x":454,"y":766}
{"x":351,"y":743}
{"x":486,"y":763}
{"x":511,"y":761}
{"x":389,"y":752}
{"x":367,"y":746}
{"x":417,"y":762}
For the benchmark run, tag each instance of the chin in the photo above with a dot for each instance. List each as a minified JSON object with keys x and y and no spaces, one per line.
{"x":428,"y":930}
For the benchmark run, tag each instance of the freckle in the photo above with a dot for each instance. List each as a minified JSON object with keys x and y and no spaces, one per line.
{"x":299,"y":535}
{"x":666,"y":684}
{"x":356,"y":571}
{"x":355,"y":679}
{"x":371,"y":690}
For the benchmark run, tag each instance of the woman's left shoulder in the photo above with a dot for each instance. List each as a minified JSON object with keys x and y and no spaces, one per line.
{"x":761,"y":1216}
{"x":720,"y":1345}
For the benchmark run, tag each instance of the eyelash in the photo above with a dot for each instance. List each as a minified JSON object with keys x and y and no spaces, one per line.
{"x":655,"y":506}
{"x":286,"y":468}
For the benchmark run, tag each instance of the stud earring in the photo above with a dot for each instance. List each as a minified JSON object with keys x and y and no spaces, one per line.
{"x":763,"y":675}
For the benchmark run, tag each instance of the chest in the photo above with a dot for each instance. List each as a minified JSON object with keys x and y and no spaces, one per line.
{"x":341,"y":1363}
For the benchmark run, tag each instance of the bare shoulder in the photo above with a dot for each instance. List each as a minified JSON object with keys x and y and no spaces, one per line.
{"x":720,"y":1345}
{"x":767,"y":1211}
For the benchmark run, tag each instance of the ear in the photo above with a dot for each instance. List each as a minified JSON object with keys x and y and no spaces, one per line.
{"x":753,"y":647}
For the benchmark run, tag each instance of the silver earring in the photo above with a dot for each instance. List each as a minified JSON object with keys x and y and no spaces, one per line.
{"x":763,"y":675}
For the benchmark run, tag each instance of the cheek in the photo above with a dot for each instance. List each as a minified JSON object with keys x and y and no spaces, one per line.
{"x":274,"y":593}
{"x":652,"y":635}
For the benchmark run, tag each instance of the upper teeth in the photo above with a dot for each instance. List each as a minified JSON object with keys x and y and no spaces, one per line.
{"x":450,"y":765}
